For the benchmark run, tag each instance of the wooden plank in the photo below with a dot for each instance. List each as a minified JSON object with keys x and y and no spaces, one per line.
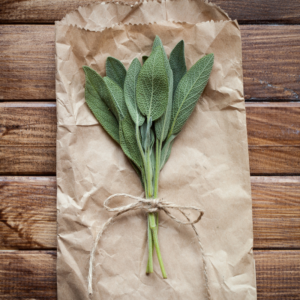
{"x":276,"y":211}
{"x":48,"y":11}
{"x":277,"y":275}
{"x":270,"y":61}
{"x":28,"y":123}
{"x":28,"y":138}
{"x":28,"y":212}
{"x":273,"y":137}
{"x":27,"y":62}
{"x":28,"y":275}
{"x":273,"y":11}
{"x":32,"y":275}
{"x":270,"y":56}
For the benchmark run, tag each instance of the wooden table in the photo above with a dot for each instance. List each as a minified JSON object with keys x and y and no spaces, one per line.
{"x":271,"y":61}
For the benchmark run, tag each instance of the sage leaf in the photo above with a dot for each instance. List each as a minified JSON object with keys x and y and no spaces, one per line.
{"x":138,"y":172}
{"x":157,"y":43}
{"x":115,"y":70}
{"x":177,"y":63}
{"x":152,"y":86}
{"x":166,"y":151}
{"x":130,"y":92}
{"x":152,"y":159}
{"x":163,"y":123}
{"x":102,"y":90}
{"x":188,"y":92}
{"x":97,"y":105}
{"x":117,"y":97}
{"x":128,"y":141}
{"x":147,"y":135}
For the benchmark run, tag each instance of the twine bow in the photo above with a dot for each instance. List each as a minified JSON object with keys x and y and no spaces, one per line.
{"x":149,"y":206}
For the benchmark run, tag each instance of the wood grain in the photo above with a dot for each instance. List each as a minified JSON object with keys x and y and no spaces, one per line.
{"x":28,"y":212}
{"x":270,"y":61}
{"x":28,"y":275}
{"x":276,"y":211}
{"x":277,"y":275}
{"x":32,"y":275}
{"x":274,"y":137}
{"x":27,"y":62}
{"x":48,"y":11}
{"x":28,"y":138}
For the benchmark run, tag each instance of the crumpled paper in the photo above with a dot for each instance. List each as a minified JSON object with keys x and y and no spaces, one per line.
{"x":208,"y":166}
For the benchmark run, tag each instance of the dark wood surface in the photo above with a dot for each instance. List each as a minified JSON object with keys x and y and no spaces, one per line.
{"x":28,"y":138}
{"x":32,"y":274}
{"x":270,"y":53}
{"x":271,"y":62}
{"x":28,"y":212}
{"x":48,"y":11}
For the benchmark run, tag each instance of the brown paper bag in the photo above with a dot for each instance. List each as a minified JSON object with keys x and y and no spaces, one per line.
{"x":208,"y":167}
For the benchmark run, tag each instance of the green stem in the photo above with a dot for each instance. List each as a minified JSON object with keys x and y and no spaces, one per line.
{"x":156,"y":244}
{"x":157,"y":168}
{"x":149,"y":174}
{"x":150,"y":250}
{"x":148,"y":188}
{"x":152,"y":218}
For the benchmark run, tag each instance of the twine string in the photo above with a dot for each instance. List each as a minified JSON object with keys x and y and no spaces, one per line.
{"x":149,"y":206}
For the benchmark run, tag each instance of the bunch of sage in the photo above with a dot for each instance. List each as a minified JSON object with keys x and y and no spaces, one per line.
{"x":144,"y":109}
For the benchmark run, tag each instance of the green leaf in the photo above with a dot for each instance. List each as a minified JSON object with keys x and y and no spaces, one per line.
{"x":128,"y":141}
{"x":130,"y":92}
{"x":144,"y":58}
{"x":163,"y":123}
{"x":117,"y":97}
{"x":116,"y":71}
{"x":138,"y":172}
{"x":166,"y":151}
{"x":157,"y":42}
{"x":177,"y":63}
{"x":147,"y":135}
{"x":152,"y":158}
{"x":152,"y":86}
{"x":188,"y":92}
{"x":97,"y":104}
{"x":103,"y":90}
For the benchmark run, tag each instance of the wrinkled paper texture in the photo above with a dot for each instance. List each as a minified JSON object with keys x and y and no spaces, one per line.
{"x":208,"y":166}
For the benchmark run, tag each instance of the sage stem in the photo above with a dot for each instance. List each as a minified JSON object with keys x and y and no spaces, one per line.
{"x":150,"y":250}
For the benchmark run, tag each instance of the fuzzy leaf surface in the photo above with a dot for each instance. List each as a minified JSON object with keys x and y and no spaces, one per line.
{"x":130,"y":92}
{"x":152,"y":86}
{"x":128,"y":141}
{"x":166,"y":151}
{"x":103,"y":90}
{"x":147,"y":136}
{"x":188,"y":92}
{"x":97,"y":105}
{"x":157,"y":42}
{"x":115,"y":70}
{"x":177,"y":63}
{"x":117,"y":97}
{"x":163,"y":123}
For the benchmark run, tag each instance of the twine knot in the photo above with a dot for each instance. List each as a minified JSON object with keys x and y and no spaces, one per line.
{"x":149,"y":206}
